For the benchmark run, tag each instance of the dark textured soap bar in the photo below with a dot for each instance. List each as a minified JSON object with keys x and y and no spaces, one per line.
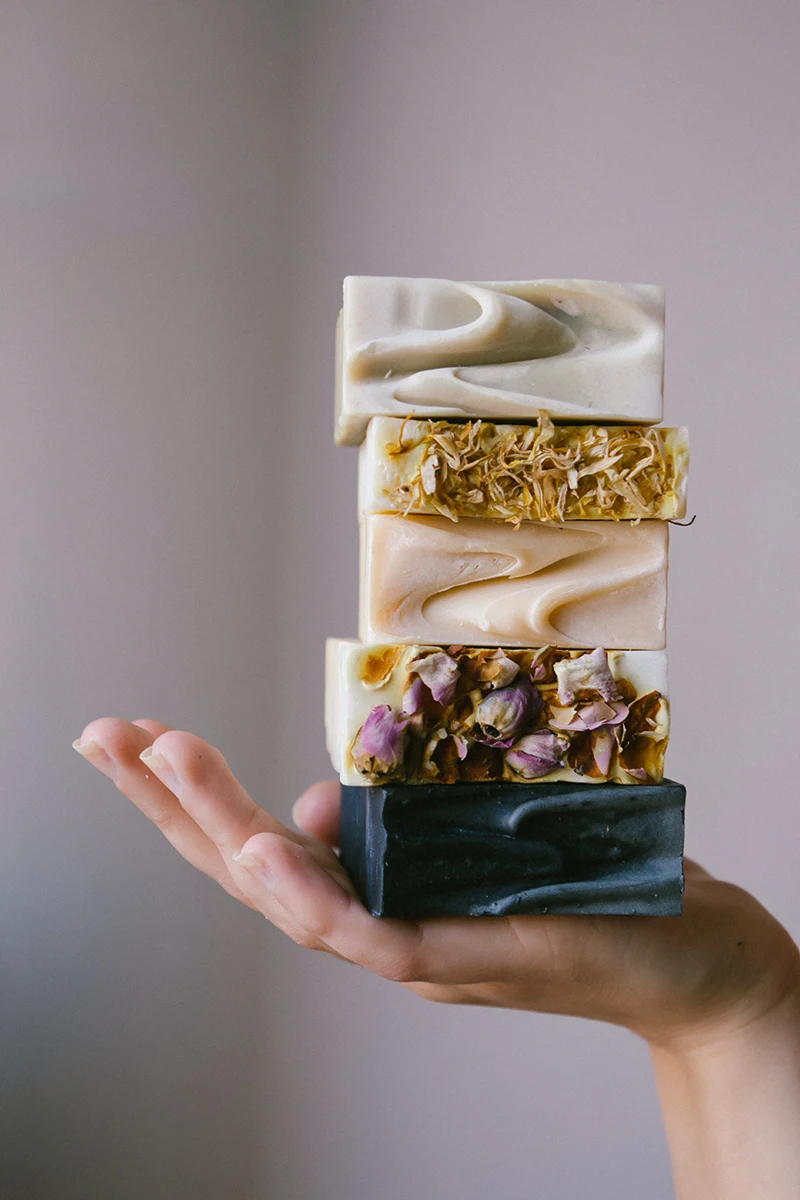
{"x":496,"y":849}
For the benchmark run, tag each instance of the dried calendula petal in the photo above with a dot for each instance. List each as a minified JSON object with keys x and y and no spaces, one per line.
{"x":375,"y":666}
{"x":522,"y":473}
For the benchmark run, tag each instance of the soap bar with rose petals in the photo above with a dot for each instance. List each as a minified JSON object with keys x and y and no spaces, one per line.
{"x":497,"y":849}
{"x":577,"y":349}
{"x":514,"y":473}
{"x":424,"y":714}
{"x":583,"y":583}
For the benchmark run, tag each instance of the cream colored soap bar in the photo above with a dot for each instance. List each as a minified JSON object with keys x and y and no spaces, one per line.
{"x":540,"y":472}
{"x":584,"y":583}
{"x":579,"y":350}
{"x":427,"y":714}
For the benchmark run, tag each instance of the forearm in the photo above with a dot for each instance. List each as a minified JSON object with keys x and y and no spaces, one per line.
{"x":731,"y":1110}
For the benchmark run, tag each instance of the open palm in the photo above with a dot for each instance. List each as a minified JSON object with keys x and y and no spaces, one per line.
{"x":724,"y":961}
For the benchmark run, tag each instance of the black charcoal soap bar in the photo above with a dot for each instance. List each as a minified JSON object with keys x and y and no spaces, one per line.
{"x":497,"y":849}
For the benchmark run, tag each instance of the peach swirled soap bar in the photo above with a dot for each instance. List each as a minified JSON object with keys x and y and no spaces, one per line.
{"x":584,"y":583}
{"x":430,"y":714}
{"x":579,"y":350}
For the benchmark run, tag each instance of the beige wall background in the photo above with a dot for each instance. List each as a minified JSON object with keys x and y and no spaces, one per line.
{"x":184,"y":183}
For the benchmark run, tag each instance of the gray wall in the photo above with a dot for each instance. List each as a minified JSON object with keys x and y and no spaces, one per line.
{"x":183,"y":186}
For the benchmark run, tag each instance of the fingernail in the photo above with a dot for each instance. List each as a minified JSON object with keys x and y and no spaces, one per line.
{"x":94,"y":753}
{"x":257,"y":867}
{"x":160,"y":767}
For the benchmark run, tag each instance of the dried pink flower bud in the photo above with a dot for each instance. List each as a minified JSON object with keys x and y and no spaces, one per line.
{"x":381,"y":737}
{"x":537,"y":754}
{"x":504,"y":713}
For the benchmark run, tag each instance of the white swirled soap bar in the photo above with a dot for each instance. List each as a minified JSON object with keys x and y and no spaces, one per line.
{"x":485,"y":583}
{"x":578,"y":350}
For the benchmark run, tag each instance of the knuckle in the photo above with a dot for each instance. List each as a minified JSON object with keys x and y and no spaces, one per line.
{"x":163,"y":820}
{"x":323,"y":930}
{"x":193,"y":759}
{"x":307,"y":940}
{"x":403,"y":968}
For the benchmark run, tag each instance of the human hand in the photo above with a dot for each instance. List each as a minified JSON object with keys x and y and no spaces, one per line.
{"x":724,"y":964}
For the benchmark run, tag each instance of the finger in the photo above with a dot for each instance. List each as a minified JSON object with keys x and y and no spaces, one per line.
{"x":153,"y":727}
{"x":113,"y":746}
{"x":198,"y":775}
{"x":324,"y":904}
{"x":444,"y":951}
{"x":208,"y":792}
{"x":317,"y":811}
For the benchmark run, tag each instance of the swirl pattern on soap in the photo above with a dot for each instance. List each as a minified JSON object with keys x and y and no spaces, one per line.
{"x":581,"y":584}
{"x":577,"y":349}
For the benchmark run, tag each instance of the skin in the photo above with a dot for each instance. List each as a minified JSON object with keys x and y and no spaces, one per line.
{"x":715,"y":992}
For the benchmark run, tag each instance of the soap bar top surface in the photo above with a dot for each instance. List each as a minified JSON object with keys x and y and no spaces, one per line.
{"x":514,"y":473}
{"x":583,"y":583}
{"x":497,"y":850}
{"x":579,"y":350}
{"x":429,"y":714}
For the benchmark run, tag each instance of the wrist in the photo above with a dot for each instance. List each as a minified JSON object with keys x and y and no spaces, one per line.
{"x":731,"y":1103}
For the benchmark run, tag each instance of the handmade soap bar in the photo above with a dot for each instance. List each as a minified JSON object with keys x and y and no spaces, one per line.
{"x":424,"y":714}
{"x":514,"y":473}
{"x":577,"y":349}
{"x":501,"y":850}
{"x":584,"y":583}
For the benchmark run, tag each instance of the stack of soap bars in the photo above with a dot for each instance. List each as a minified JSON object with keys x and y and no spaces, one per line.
{"x":500,"y":727}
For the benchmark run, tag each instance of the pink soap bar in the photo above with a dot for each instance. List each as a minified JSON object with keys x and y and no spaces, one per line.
{"x":485,"y":583}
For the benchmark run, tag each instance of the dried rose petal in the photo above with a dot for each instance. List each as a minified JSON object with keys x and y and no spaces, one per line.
{"x":499,"y":670}
{"x":446,"y":757}
{"x":482,"y":763}
{"x":598,"y":714}
{"x":643,"y":716}
{"x":461,"y":745}
{"x":502,"y":714}
{"x":439,"y":673}
{"x":595,"y":715}
{"x":537,"y":754}
{"x":414,"y":698}
{"x":382,"y":736}
{"x":588,"y":672}
{"x":640,"y":774}
{"x":603,"y":749}
{"x":564,"y":718}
